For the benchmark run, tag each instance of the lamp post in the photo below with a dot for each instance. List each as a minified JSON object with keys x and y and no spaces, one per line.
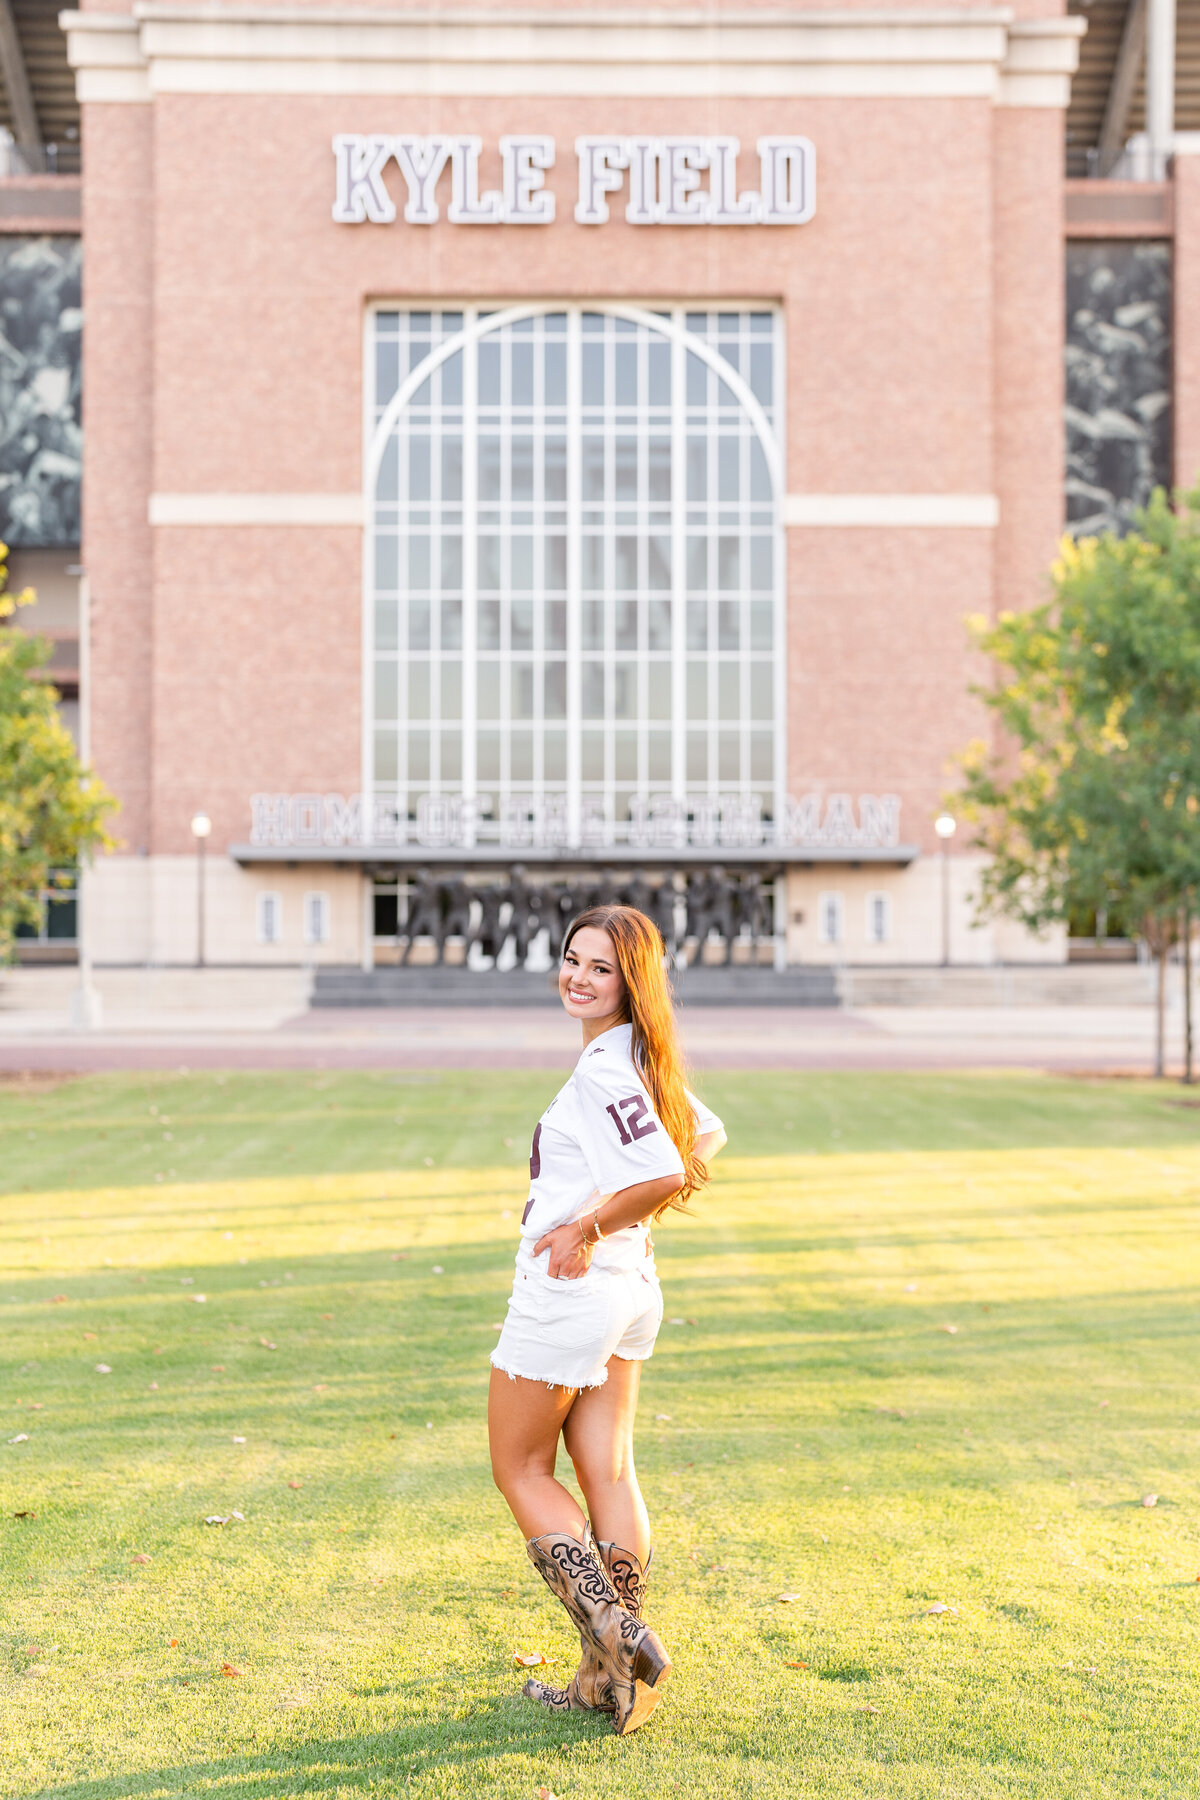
{"x":201,"y":826}
{"x":945,"y":826}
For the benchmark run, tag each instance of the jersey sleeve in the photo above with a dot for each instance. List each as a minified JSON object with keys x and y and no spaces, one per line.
{"x":622,"y":1137}
{"x":706,"y":1118}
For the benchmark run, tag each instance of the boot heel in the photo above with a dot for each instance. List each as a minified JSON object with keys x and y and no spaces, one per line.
{"x":652,"y":1664}
{"x":651,"y":1672}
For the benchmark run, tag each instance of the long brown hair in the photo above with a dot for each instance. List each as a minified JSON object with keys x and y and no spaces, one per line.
{"x":640,"y":955}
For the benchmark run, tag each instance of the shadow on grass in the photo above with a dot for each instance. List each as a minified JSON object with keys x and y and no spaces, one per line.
{"x":495,"y":1728}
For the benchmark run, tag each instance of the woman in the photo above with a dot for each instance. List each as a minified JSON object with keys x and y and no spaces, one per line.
{"x":617,"y":1146}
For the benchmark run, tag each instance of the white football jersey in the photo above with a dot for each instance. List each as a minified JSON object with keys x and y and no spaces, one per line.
{"x":599,"y":1134}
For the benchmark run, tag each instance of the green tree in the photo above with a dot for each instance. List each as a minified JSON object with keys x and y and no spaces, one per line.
{"x":1089,"y":793}
{"x":52,"y":809}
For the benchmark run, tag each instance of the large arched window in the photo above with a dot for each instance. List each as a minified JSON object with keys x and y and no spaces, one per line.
{"x":575,"y":625}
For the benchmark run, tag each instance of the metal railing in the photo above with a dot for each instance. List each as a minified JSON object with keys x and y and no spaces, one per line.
{"x":37,"y":159}
{"x":1134,"y":161}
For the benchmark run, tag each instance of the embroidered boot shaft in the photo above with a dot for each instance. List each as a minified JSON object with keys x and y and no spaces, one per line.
{"x":589,"y":1689}
{"x":630,"y":1655}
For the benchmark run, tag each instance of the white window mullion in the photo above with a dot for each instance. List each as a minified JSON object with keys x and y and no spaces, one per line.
{"x":371,"y":501}
{"x":470,"y":577}
{"x":574,"y":572}
{"x":779,"y":418}
{"x":679,"y":564}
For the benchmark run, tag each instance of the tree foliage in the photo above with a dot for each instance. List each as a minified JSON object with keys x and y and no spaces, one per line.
{"x":1089,"y":795}
{"x":52,"y":809}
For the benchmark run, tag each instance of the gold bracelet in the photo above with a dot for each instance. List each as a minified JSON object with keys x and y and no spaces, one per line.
{"x":600,"y":1235}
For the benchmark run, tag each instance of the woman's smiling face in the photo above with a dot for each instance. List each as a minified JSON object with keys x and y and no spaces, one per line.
{"x":590,"y":983}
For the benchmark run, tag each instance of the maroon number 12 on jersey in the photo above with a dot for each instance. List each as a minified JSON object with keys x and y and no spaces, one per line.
{"x":632,"y":1127}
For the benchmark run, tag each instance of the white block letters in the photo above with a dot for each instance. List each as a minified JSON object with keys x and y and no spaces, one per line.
{"x":664,"y":179}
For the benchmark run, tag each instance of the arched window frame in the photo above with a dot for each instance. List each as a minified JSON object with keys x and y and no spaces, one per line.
{"x":667,"y":320}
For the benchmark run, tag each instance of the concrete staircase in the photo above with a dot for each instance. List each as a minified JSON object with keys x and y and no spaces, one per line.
{"x":738,"y":986}
{"x":1033,"y":984}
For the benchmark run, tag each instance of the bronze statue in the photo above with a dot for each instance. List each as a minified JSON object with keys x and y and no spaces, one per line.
{"x":424,"y":914}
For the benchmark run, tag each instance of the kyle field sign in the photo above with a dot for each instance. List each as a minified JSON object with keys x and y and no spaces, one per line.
{"x":665,"y":180}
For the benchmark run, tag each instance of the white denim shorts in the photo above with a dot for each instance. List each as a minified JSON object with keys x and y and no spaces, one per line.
{"x":563,"y":1332}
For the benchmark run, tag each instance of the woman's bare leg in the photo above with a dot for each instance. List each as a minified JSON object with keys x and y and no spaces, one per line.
{"x":525,"y":1419}
{"x":598,"y":1433}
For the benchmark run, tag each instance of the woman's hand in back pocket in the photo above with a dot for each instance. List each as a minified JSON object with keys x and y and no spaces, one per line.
{"x":570,"y":1253}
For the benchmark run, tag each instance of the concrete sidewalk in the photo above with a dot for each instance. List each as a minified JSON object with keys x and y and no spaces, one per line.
{"x":1088,"y":1039}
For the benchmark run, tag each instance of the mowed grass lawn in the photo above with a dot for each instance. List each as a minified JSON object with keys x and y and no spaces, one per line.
{"x":932,"y":1341}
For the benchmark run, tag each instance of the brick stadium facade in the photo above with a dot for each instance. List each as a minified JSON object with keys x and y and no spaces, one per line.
{"x":663,"y":554}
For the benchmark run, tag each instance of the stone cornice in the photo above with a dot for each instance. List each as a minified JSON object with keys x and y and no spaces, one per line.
{"x":930,"y":53}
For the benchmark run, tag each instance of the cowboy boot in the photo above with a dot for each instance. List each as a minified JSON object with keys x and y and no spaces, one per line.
{"x":629,"y":1653}
{"x":627,"y":1576}
{"x":589,"y":1689}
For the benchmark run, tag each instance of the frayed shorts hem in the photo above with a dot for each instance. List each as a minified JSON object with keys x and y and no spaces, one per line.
{"x":550,"y":1381}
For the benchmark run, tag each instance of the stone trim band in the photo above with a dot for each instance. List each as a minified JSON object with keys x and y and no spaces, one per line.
{"x":942,"y":53}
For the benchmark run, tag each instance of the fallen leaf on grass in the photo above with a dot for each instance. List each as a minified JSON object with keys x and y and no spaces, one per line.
{"x":199,"y":1299}
{"x":22,"y":1437}
{"x":532,"y":1659}
{"x":174,"y":1644}
{"x":141,"y":1557}
{"x":1150,"y":1500}
{"x":939,"y":1606}
{"x":89,"y":1337}
{"x":224,"y":1518}
{"x":327,"y":1315}
{"x":874,"y":1709}
{"x":228,"y":1669}
{"x":795,"y":1665}
{"x":787,"y":1599}
{"x":33,"y":1515}
{"x":663,"y":1418}
{"x":103,"y":1369}
{"x":951,"y":1329}
{"x":295,"y":1484}
{"x":545,"y":1793}
{"x":217,"y":1368}
{"x":57,"y":1299}
{"x":239,"y":1440}
{"x":1102,"y":1402}
{"x":267,"y":1344}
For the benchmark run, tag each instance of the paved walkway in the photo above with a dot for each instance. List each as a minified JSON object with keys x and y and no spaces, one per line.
{"x":1089,"y":1039}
